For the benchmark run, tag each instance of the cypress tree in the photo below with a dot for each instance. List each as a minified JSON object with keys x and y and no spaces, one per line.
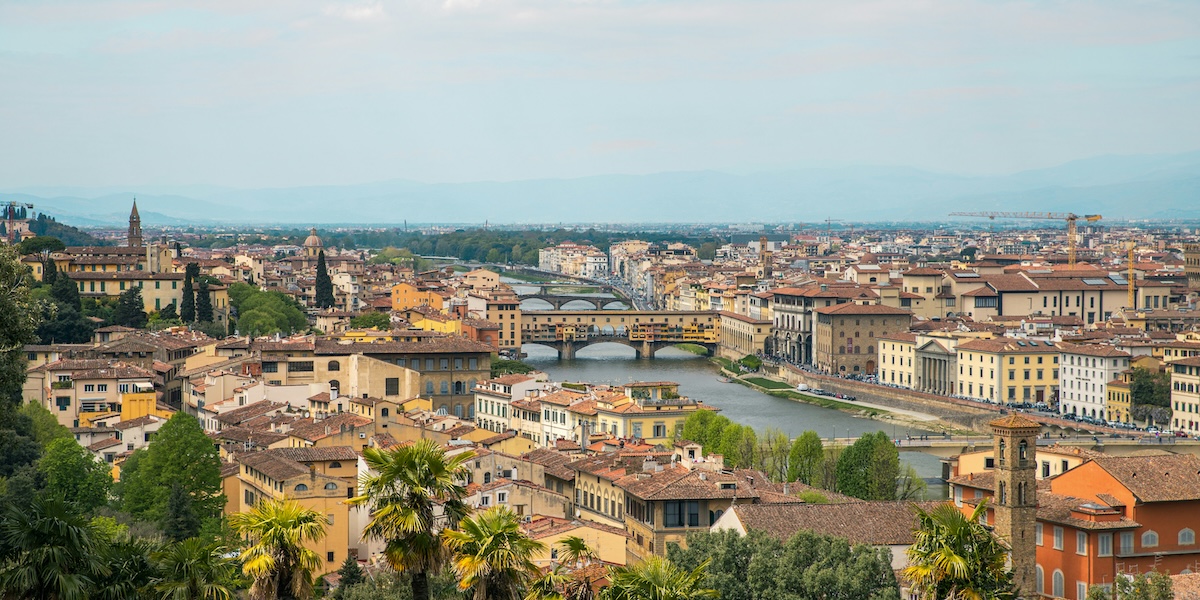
{"x":180,"y":521}
{"x":350,"y":575}
{"x":187,"y":306}
{"x":131,"y":310}
{"x":204,"y":311}
{"x":50,"y":273}
{"x":65,"y":292}
{"x":324,"y":283}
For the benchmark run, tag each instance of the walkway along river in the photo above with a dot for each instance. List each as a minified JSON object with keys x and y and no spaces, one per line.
{"x":698,"y":378}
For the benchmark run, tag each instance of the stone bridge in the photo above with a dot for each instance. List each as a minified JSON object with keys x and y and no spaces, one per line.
{"x":558,"y":301}
{"x":646,"y":332}
{"x":642,"y":349}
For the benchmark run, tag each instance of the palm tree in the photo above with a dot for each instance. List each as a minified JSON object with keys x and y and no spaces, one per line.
{"x":406,"y":485}
{"x":492,"y":554}
{"x":658,"y":579}
{"x":50,"y":552}
{"x":560,"y":583}
{"x":277,"y":560}
{"x":955,"y":557}
{"x":131,"y":572}
{"x":194,"y":569}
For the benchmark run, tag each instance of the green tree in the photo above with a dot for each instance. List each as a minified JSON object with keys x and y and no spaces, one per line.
{"x":66,"y":292}
{"x":194,"y":569}
{"x":277,"y":561}
{"x":406,"y":485}
{"x":167,"y":313}
{"x":324,"y":285}
{"x":64,"y":324}
{"x":695,"y":427}
{"x":180,"y":521}
{"x":774,"y":455}
{"x":51,"y":552}
{"x":1146,"y":586}
{"x":43,"y":246}
{"x":45,"y":426}
{"x":372,"y":320}
{"x":50,"y":273}
{"x":806,"y":567}
{"x":204,"y":309}
{"x":492,"y":555}
{"x":187,"y":305}
{"x":805,"y":457}
{"x":657,"y":578}
{"x":501,"y":367}
{"x":181,"y":455}
{"x":567,"y":579}
{"x":74,"y":475}
{"x":869,"y":468}
{"x":349,"y":576}
{"x":17,"y":327}
{"x":954,"y":556}
{"x":1150,"y":388}
{"x":131,"y":310}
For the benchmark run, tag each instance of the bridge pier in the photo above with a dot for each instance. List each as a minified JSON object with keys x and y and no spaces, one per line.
{"x":567,"y":352}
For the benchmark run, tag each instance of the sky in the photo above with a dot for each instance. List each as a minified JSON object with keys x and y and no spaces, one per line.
{"x":279,"y":93}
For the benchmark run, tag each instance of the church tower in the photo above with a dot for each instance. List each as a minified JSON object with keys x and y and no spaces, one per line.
{"x":1015,"y":449}
{"x":764,"y":253}
{"x":135,"y":228}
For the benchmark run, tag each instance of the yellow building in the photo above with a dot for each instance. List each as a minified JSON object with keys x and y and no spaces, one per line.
{"x":607,"y":541}
{"x":1007,"y":370}
{"x":652,"y":411}
{"x":1185,"y":395}
{"x":271,"y":475}
{"x":406,"y":296}
{"x":142,"y":402}
{"x":158,"y":289}
{"x":429,"y":319}
{"x":743,"y":336}
{"x":896,"y":351}
{"x":1119,"y":403}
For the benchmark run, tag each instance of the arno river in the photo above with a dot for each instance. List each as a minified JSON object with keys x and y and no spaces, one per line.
{"x":698,"y":379}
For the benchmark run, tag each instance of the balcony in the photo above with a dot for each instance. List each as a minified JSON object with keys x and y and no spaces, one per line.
{"x":62,"y":385}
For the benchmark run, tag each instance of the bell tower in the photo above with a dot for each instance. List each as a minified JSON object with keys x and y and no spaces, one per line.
{"x":135,"y":228}
{"x":1015,"y":448}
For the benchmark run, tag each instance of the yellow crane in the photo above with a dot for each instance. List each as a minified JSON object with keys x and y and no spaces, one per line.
{"x":1070,"y":218}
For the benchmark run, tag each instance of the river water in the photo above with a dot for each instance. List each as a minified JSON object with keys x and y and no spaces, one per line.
{"x":698,"y":379}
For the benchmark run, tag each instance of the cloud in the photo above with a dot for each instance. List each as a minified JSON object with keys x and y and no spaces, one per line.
{"x":370,"y":11}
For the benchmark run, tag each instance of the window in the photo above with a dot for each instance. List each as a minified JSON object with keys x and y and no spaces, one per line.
{"x":485,"y":501}
{"x":1104,"y":545}
{"x":335,"y":465}
{"x":502,"y":497}
{"x":334,"y":366}
{"x":391,"y":386}
{"x":660,"y":430}
{"x":270,"y":367}
{"x":1080,"y":590}
{"x":445,"y":387}
{"x":1126,"y":542}
{"x":1040,"y":576}
{"x":1037,"y":533}
{"x":300,"y":487}
{"x":1080,"y":543}
{"x":304,"y":366}
{"x":1187,"y":537}
{"x":89,"y":387}
{"x":329,"y":556}
{"x":331,"y":486}
{"x":444,"y":364}
{"x":429,"y":387}
{"x":1058,"y":584}
{"x":1150,"y":539}
{"x":1058,"y":538}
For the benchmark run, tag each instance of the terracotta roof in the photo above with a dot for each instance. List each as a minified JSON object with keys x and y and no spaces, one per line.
{"x":678,"y":483}
{"x":873,"y":523}
{"x":1165,"y":478}
{"x":561,"y":398}
{"x":1015,"y":421}
{"x":1004,"y":344}
{"x":1057,"y":508}
{"x":1096,"y":350}
{"x":330,"y":426}
{"x":313,"y":454}
{"x":249,"y":411}
{"x":104,"y":444}
{"x":273,"y":465}
{"x":1186,"y":587}
{"x":245,"y":435}
{"x":437,"y":345}
{"x":851,"y":308}
{"x":138,"y":422}
{"x":553,"y":462}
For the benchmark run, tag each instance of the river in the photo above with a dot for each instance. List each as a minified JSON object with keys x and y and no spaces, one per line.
{"x":698,"y":379}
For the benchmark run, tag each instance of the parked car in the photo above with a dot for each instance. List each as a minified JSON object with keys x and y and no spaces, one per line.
{"x":1181,"y":434}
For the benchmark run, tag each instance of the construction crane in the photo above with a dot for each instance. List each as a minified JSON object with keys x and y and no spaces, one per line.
{"x":1070,"y":218}
{"x":10,"y":212}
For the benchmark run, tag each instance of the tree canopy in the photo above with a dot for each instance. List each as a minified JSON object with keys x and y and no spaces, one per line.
{"x":131,"y":309}
{"x":324,"y":285}
{"x":73,"y":474}
{"x":265,"y":313}
{"x":181,"y":455}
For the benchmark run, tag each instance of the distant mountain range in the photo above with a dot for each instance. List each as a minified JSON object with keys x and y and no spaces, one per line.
{"x":1118,"y":187}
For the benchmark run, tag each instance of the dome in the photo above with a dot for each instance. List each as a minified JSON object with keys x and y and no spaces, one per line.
{"x":312,"y":241}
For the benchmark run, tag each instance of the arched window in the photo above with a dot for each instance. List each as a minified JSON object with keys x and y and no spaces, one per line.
{"x":300,"y":487}
{"x":331,"y":486}
{"x":1003,"y":493}
{"x":458,"y":410}
{"x":445,"y":387}
{"x":1058,"y":584}
{"x":470,"y":385}
{"x":487,"y":477}
{"x":429,"y":387}
{"x":1187,"y":537}
{"x":1003,"y":446}
{"x":1040,"y":574}
{"x":458,"y":387}
{"x":383,"y":412}
{"x":1150,"y":539}
{"x":1023,"y":448}
{"x":1021,"y":494}
{"x":335,"y":465}
{"x":333,"y":366}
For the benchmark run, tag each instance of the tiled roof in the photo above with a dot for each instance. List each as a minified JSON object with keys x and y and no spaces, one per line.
{"x":1004,"y":344}
{"x":273,"y":465}
{"x":1015,"y":421}
{"x":138,"y":422}
{"x":313,"y":454}
{"x":104,"y":444}
{"x":1097,"y":350}
{"x":553,"y":462}
{"x":329,"y":426}
{"x":873,"y":523}
{"x":244,"y":435}
{"x":245,"y":413}
{"x":438,"y":345}
{"x":1165,"y":478}
{"x":851,"y":308}
{"x":1057,"y":508}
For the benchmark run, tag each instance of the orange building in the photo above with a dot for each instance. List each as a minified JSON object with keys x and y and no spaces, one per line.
{"x":1106,"y":517}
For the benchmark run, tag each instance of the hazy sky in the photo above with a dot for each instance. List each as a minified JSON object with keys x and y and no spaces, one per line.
{"x":297,"y":92}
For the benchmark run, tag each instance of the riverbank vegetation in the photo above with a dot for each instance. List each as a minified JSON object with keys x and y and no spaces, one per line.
{"x":868,"y":469}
